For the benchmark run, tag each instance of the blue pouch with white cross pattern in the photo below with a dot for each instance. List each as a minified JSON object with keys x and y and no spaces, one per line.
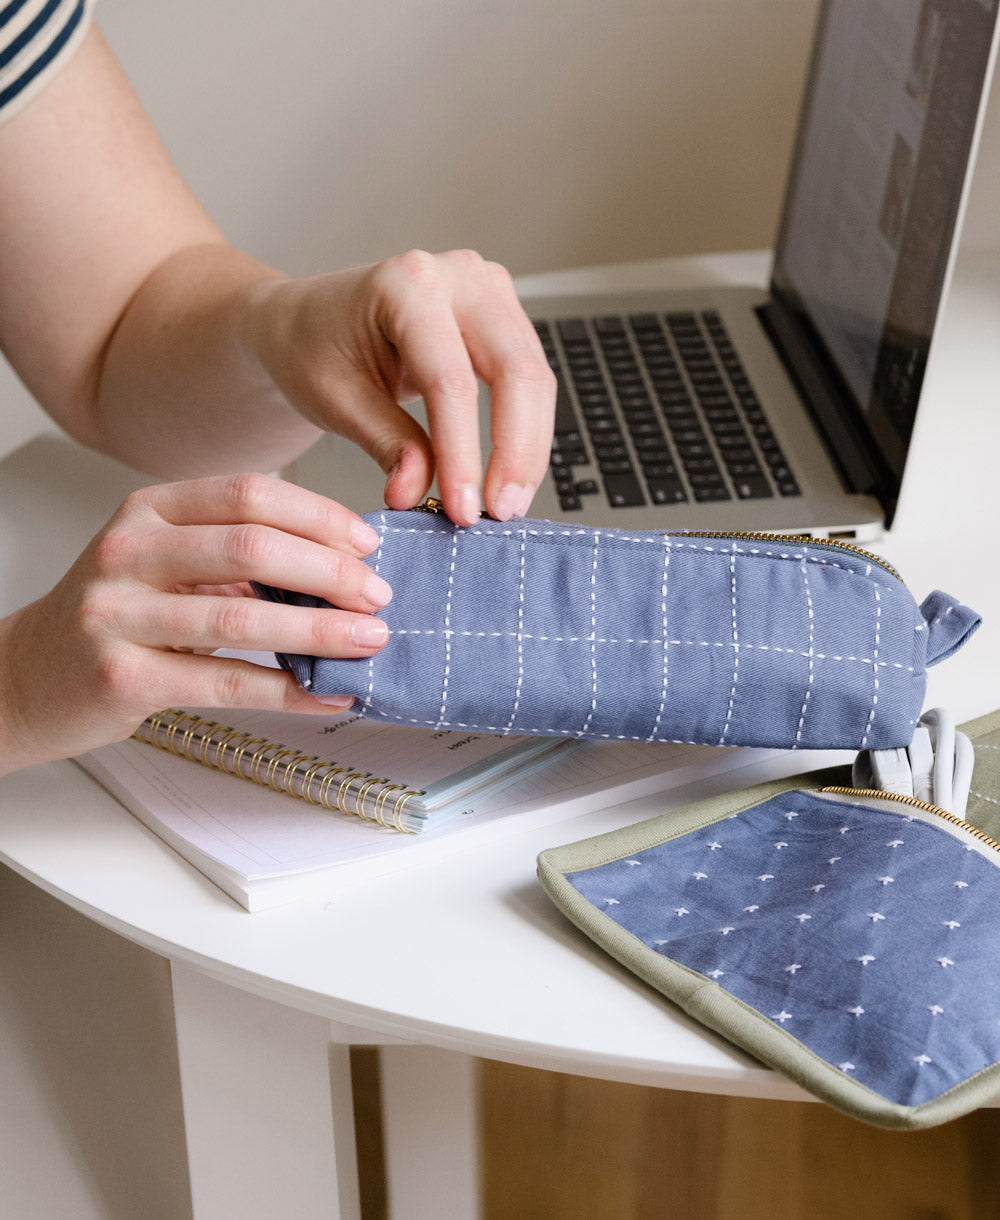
{"x":735,"y":640}
{"x":846,"y":938}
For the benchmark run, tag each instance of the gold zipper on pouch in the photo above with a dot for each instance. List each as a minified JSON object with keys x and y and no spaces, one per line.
{"x":433,"y":505}
{"x":834,"y":544}
{"x":913,"y":802}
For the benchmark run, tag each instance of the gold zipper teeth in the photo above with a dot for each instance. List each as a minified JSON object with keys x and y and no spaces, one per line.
{"x":834,"y":543}
{"x":434,"y":505}
{"x":914,"y":802}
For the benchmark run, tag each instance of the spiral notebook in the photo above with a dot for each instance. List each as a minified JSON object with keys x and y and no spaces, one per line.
{"x":279,"y":838}
{"x":405,"y":779}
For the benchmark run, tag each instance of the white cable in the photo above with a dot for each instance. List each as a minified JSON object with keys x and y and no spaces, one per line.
{"x":921,"y":756}
{"x":936,"y":768}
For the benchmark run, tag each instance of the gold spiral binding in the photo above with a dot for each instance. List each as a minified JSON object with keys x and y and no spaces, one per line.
{"x":361,"y":796}
{"x":291,"y":773}
{"x":274,"y":761}
{"x":344,"y":789}
{"x":378,"y":811}
{"x":221,"y":748}
{"x":243,"y":744}
{"x":170,"y":732}
{"x":335,"y":788}
{"x":397,"y":809}
{"x":327,"y":783}
{"x":307,"y":781}
{"x":191,"y":735}
{"x":206,"y":745}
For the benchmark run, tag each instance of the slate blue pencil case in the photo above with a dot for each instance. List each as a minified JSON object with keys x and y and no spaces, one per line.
{"x":736,"y":640}
{"x":846,"y":938}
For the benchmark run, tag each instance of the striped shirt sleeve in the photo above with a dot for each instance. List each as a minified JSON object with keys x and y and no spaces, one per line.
{"x":37,"y":37}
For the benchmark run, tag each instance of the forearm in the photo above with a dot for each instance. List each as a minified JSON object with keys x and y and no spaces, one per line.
{"x":181,"y":391}
{"x":121,"y":305}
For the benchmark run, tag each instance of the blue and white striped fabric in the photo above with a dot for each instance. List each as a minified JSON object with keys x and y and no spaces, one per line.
{"x":534,"y":627}
{"x":37,"y":37}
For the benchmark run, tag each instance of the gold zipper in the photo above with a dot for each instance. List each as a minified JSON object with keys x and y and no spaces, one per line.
{"x":433,"y":505}
{"x":913,"y":802}
{"x":835,"y":544}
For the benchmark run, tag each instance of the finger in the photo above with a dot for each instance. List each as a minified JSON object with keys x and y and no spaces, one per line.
{"x":418,"y":317}
{"x":219,"y":682}
{"x":181,"y":557}
{"x":507,"y":354}
{"x":395,"y":440}
{"x":250,"y":498}
{"x":194,"y":621}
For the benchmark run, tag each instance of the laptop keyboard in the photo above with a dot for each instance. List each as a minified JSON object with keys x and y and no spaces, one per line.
{"x":657,"y":409}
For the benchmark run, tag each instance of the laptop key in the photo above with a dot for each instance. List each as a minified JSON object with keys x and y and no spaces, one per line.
{"x":615,"y":466}
{"x":744,"y":470}
{"x":567,"y":457}
{"x":611,"y":325}
{"x":565,"y":414}
{"x":706,"y":494}
{"x":666,"y":490}
{"x":623,"y":491}
{"x":754,"y":488}
{"x":573,"y":330}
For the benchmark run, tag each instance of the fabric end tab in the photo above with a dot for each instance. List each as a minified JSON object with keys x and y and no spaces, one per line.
{"x":950,"y":624}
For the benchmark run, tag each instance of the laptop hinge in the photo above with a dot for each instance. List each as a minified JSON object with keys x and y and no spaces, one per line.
{"x":848,"y":445}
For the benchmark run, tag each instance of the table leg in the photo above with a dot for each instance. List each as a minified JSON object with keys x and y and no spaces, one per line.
{"x":267,"y":1106}
{"x":430,"y":1120}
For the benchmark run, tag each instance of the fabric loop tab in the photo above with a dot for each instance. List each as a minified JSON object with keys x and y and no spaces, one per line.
{"x":950,"y":624}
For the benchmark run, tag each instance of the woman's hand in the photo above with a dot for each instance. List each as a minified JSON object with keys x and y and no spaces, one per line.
{"x":347,"y":348}
{"x":128,"y":630}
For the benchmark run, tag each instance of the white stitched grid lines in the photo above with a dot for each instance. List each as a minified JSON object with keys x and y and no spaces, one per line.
{"x":446,"y":675}
{"x":811,"y":616}
{"x":654,"y":732}
{"x":530,"y":628}
{"x":515,"y":702}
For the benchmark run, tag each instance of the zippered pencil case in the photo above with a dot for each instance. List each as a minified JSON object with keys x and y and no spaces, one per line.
{"x":846,"y":938}
{"x":737,"y":640}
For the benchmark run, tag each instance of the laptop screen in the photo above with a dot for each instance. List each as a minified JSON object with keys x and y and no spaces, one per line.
{"x":875,"y":190}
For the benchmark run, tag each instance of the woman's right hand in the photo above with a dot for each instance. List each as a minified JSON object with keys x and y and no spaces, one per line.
{"x":129,"y":630}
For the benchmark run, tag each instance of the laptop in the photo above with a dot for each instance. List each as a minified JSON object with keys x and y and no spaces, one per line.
{"x":729,"y":409}
{"x":792,"y":410}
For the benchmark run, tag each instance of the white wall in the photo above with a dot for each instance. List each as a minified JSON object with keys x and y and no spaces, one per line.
{"x":546,"y":134}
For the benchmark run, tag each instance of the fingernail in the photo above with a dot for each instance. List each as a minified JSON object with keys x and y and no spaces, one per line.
{"x":377,"y":590}
{"x":469,"y":503}
{"x":339,"y":701}
{"x":368,"y":632}
{"x":364,"y":537}
{"x":512,"y":501}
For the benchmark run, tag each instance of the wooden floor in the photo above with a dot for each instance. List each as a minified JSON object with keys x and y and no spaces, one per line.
{"x":561,"y":1147}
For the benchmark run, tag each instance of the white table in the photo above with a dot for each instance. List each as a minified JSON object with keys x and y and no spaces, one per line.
{"x":463,"y":957}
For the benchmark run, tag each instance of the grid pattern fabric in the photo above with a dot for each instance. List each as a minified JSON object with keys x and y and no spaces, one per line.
{"x":535,"y":627}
